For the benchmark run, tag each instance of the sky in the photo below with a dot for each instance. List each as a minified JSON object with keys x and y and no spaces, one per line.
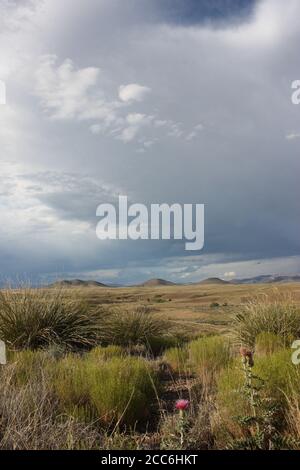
{"x":163,"y":101}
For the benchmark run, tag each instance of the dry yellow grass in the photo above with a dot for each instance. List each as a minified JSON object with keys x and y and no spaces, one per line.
{"x":190,"y":307}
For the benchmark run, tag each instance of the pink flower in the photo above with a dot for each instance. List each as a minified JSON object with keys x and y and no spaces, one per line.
{"x":182,"y":405}
{"x":247,"y":355}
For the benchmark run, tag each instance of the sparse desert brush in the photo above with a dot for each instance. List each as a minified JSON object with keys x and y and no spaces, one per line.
{"x":267,"y":343}
{"x":208,"y":355}
{"x":36,"y":318}
{"x":119,"y":390}
{"x":131,"y":327}
{"x":178,"y":359}
{"x":278,"y":315}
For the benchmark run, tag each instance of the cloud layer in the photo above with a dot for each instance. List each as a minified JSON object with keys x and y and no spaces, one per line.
{"x":108,"y":98}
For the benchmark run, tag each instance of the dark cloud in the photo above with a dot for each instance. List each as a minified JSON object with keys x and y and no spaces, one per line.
{"x":233,"y":81}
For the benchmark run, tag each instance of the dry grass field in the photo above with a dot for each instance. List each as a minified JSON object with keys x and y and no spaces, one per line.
{"x":192,"y":308}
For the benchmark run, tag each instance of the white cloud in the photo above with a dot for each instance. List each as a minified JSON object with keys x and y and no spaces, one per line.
{"x":195,"y":132}
{"x":230,"y":274}
{"x":293,"y":136}
{"x":64,"y":90}
{"x":70,"y":93}
{"x":136,"y":122}
{"x":133,"y":92}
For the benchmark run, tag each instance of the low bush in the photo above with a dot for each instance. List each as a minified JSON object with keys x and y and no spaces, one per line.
{"x":208,"y":355}
{"x":119,"y":390}
{"x":37,"y":318}
{"x":279,"y":375}
{"x":280,"y":316}
{"x":132,"y":327}
{"x":158,"y":344}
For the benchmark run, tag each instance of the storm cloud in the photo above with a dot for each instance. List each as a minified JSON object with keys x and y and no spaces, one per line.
{"x":160,"y":101}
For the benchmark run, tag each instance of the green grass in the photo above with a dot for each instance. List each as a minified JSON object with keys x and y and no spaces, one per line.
{"x":267,"y":343}
{"x":209,"y":355}
{"x":279,"y":374}
{"x":119,"y":390}
{"x":101,"y":353}
{"x":274,"y":377}
{"x":178,"y":359}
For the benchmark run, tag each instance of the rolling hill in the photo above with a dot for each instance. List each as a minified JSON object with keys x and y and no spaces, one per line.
{"x":157,"y":283}
{"x":77,"y":283}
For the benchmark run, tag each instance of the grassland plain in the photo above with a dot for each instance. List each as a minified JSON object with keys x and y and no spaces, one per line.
{"x":104,"y":368}
{"x":196,"y":308}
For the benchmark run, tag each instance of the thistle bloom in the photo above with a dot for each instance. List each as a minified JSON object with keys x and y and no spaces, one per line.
{"x":182,"y":405}
{"x":247,"y":355}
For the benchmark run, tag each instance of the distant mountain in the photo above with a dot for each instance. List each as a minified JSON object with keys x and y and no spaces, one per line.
{"x":156,"y":283}
{"x":267,"y":279}
{"x":77,"y":283}
{"x":212,"y":280}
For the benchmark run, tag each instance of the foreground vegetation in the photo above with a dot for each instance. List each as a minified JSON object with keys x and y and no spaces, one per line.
{"x":86,"y":376}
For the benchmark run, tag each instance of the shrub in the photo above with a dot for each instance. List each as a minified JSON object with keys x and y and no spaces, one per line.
{"x":158,"y":344}
{"x":30,"y":418}
{"x":120,"y":390}
{"x":267,"y":343}
{"x":214,"y":305}
{"x":178,"y":359}
{"x":71,"y":387}
{"x":37,"y":318}
{"x":209,"y":355}
{"x":280,"y":316}
{"x":279,"y":374}
{"x":131,"y":327}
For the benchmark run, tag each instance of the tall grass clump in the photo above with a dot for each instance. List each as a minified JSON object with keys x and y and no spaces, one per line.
{"x":208,"y":356}
{"x":280,"y":316}
{"x":267,"y":343}
{"x":36,"y":318}
{"x":132,"y":327}
{"x":120,"y":390}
